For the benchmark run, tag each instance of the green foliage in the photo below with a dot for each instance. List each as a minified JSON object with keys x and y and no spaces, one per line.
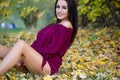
{"x":26,"y":11}
{"x":94,"y":9}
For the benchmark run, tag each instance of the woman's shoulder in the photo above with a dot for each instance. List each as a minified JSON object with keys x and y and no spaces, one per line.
{"x":67,"y":24}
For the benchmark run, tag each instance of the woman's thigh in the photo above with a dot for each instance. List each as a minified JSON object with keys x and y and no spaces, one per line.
{"x":33,"y":60}
{"x":4,"y":51}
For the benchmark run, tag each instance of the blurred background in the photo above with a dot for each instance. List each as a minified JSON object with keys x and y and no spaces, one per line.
{"x":38,"y":13}
{"x":26,"y":14}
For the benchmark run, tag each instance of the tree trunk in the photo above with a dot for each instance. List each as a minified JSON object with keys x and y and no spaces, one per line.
{"x":112,"y":11}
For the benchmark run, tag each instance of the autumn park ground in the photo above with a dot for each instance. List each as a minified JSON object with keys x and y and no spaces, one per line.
{"x":94,"y":55}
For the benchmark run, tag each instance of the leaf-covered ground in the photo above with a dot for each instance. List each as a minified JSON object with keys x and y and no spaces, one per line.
{"x":94,"y":55}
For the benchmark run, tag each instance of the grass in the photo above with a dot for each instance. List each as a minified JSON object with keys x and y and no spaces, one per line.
{"x":16,"y":30}
{"x":11,"y":30}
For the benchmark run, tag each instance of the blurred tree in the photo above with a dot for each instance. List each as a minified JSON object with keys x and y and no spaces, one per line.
{"x":29,"y":10}
{"x":102,"y":12}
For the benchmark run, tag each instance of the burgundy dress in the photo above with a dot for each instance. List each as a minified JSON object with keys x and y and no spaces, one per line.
{"x":52,"y":43}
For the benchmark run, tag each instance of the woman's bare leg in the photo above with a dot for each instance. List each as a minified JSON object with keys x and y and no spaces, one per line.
{"x":4,"y":51}
{"x":31,"y":59}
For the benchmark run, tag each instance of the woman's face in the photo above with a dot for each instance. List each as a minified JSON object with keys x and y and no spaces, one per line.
{"x":62,"y":10}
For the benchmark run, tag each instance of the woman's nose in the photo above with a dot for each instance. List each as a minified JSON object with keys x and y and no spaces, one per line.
{"x":59,"y":9}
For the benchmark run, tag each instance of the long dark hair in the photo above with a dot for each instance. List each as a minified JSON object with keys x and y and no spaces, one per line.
{"x":73,"y":16}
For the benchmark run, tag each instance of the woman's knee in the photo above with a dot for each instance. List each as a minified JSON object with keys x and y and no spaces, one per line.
{"x":20,"y":43}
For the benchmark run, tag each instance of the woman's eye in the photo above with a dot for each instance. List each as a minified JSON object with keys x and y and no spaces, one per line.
{"x":57,"y":6}
{"x":64,"y":7}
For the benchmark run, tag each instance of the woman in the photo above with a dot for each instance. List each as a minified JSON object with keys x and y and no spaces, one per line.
{"x":46,"y":52}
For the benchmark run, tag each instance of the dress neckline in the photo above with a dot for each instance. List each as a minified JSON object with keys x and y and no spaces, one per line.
{"x":64,"y":26}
